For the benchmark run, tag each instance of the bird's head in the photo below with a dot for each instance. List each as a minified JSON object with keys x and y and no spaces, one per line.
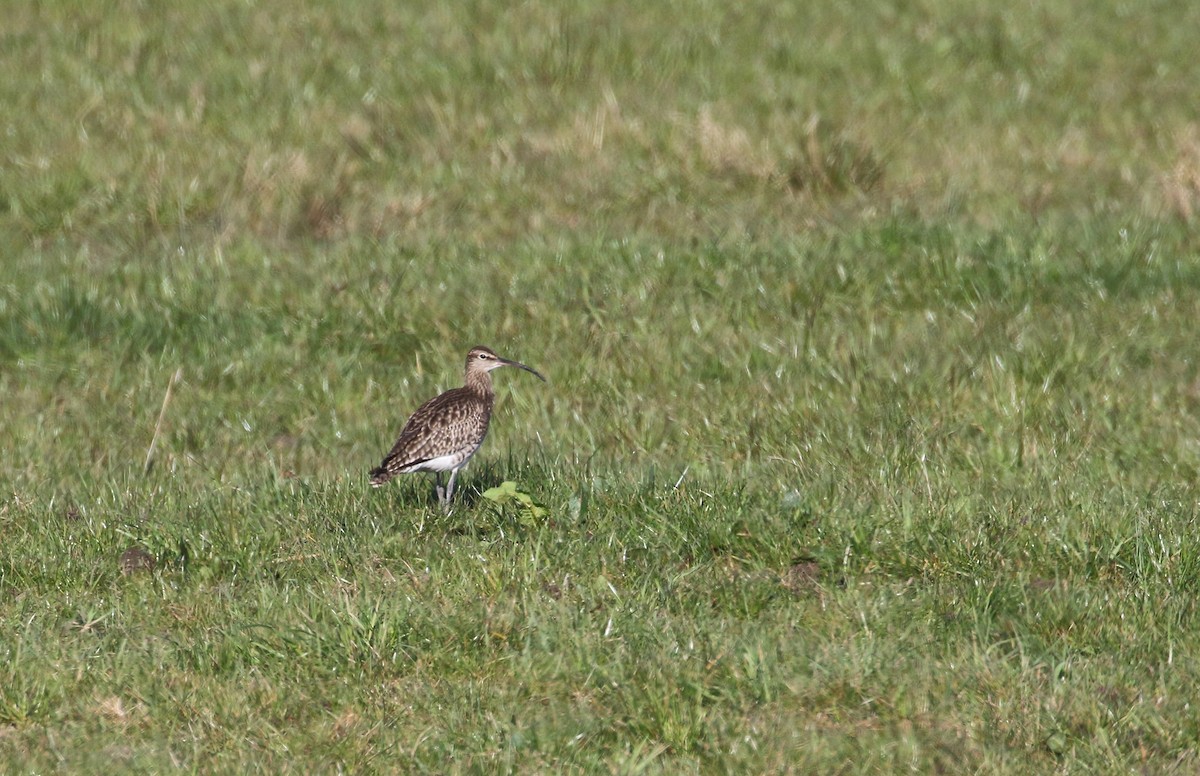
{"x":481,"y":360}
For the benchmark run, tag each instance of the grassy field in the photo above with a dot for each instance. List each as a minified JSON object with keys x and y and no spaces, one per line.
{"x":870,"y":442}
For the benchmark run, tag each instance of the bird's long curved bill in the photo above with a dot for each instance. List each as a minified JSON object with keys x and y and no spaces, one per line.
{"x":519,"y":365}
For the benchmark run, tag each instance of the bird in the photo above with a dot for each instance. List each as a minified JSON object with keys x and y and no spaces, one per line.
{"x":447,"y":430}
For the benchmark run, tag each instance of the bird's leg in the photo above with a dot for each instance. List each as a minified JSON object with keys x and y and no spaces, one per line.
{"x":450,"y":489}
{"x":441,"y":494}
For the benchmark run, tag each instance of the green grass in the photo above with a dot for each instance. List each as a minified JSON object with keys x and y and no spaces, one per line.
{"x":870,"y":442}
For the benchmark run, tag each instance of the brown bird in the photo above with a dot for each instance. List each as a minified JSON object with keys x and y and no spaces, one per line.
{"x":445,"y":431}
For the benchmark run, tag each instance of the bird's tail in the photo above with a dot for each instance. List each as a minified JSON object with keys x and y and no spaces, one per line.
{"x":379,"y":475}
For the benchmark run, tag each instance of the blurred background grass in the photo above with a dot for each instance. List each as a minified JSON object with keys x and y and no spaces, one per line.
{"x":484,"y":124}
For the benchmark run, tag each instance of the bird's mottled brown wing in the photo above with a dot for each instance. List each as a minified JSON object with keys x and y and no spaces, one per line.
{"x":454,"y":421}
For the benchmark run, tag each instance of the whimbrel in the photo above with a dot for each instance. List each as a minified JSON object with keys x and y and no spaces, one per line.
{"x":445,"y":431}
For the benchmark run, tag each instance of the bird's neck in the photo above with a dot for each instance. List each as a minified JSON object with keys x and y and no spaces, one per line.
{"x":480,"y":383}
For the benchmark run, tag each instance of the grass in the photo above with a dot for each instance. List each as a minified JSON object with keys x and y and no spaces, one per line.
{"x":870,"y":437}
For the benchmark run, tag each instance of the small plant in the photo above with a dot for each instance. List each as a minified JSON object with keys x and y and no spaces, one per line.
{"x":507,"y":493}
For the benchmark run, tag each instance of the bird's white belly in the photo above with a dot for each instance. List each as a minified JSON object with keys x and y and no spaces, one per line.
{"x":443,"y":463}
